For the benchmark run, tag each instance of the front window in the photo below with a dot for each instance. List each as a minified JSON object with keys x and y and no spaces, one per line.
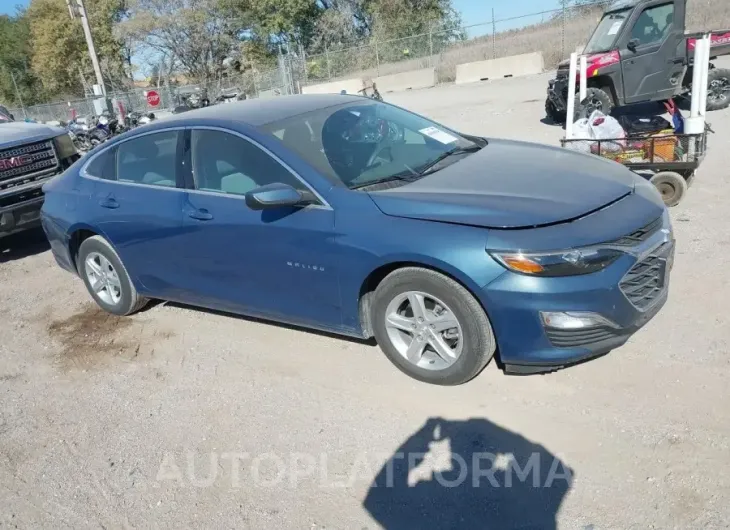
{"x":364,"y":143}
{"x":608,"y":30}
{"x":653,"y":24}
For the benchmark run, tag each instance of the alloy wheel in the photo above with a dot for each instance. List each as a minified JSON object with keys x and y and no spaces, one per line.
{"x":424,"y":330}
{"x":103,"y":278}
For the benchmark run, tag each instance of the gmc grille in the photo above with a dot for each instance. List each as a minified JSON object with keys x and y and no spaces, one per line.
{"x":23,"y":165}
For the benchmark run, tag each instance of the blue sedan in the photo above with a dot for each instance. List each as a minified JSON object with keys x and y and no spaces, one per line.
{"x":353,"y":216}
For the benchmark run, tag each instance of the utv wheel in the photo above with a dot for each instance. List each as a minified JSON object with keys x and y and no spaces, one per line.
{"x":106,"y":278}
{"x":431,"y":327}
{"x":671,"y":185}
{"x":596,"y":99}
{"x":553,"y":113}
{"x":718,"y":90}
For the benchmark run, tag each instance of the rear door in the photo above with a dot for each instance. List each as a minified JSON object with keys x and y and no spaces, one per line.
{"x":654,"y":69}
{"x":277,"y":262}
{"x":137,"y":203}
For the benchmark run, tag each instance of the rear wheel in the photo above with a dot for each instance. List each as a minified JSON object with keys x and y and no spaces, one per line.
{"x":431,"y":327}
{"x":596,"y":99}
{"x":718,"y":90}
{"x":106,"y":278}
{"x":671,"y":185}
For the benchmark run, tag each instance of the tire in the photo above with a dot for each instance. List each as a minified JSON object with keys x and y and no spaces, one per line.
{"x":672,"y":187}
{"x":474,"y":348}
{"x":718,"y":95}
{"x":553,"y":113}
{"x":129,"y":301}
{"x":596,"y":99}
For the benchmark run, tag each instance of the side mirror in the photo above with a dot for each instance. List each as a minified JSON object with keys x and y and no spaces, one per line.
{"x":633,"y":44}
{"x":273,"y":196}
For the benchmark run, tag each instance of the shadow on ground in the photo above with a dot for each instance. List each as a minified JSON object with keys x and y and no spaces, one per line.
{"x":468,"y":474}
{"x":23,"y":245}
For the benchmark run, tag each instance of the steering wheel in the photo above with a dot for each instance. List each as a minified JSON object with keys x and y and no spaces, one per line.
{"x":389,"y":134}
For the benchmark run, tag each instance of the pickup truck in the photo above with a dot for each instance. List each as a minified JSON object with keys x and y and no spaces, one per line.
{"x":640,"y":52}
{"x":30,"y":155}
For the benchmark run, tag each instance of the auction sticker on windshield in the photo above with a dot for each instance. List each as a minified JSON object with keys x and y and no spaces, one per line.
{"x":616,"y":26}
{"x":438,"y":135}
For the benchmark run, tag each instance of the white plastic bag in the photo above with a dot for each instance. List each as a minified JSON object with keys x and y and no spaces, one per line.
{"x":607,"y":128}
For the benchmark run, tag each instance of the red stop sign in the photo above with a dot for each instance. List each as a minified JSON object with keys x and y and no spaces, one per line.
{"x":153,"y":98}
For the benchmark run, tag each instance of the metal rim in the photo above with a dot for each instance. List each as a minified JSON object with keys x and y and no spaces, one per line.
{"x":424,"y":330}
{"x":103,"y":278}
{"x":718,"y":90}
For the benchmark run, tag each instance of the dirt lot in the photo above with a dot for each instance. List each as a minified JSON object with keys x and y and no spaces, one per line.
{"x":181,"y":418}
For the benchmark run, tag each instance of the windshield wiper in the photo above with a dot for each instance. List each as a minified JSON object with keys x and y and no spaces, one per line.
{"x":443,"y":156}
{"x":405,"y":177}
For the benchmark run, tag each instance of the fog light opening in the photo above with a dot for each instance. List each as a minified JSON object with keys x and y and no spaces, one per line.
{"x":569,"y":320}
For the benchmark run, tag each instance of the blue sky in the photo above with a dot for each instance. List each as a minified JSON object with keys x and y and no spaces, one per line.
{"x":473,"y":11}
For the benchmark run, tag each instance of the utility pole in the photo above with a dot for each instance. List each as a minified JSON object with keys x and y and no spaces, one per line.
{"x":76,"y":9}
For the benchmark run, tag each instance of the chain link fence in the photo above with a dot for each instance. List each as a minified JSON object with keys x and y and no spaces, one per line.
{"x":555,"y":33}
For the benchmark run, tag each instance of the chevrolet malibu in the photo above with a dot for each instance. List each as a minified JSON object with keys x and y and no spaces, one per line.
{"x":356,"y":217}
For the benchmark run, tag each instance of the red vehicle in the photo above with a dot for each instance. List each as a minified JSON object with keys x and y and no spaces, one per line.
{"x":638,"y":53}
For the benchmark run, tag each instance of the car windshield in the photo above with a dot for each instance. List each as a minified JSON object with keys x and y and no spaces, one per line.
{"x":368,"y":142}
{"x":607,"y":32}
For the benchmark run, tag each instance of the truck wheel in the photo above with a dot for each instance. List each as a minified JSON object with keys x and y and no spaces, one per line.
{"x":553,"y":113}
{"x":596,"y":99}
{"x":718,"y":90}
{"x":671,"y":185}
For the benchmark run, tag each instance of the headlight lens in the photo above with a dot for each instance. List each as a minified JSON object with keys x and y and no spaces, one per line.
{"x":572,"y":262}
{"x":64,"y":146}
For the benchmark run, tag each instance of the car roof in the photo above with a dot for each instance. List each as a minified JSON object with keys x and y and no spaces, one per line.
{"x":257,"y":112}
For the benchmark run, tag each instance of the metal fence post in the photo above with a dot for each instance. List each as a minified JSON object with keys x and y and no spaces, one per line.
{"x":565,"y":5}
{"x":494,"y":36}
{"x":327,"y":58}
{"x":377,"y":60}
{"x":430,"y":46}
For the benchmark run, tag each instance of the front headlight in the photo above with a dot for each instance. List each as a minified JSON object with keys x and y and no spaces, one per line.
{"x":572,"y":262}
{"x":65,"y":147}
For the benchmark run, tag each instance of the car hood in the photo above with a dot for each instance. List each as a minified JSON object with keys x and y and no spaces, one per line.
{"x":19,"y":132}
{"x":510,"y":184}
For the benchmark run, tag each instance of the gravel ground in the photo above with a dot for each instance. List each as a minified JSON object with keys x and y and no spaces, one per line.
{"x":178,"y":418}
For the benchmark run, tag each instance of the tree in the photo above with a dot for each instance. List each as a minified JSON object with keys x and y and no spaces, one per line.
{"x":15,"y":58}
{"x":196,"y":34}
{"x":60,"y":56}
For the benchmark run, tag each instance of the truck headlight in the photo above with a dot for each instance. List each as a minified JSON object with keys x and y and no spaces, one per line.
{"x":573,"y":262}
{"x":65,"y":147}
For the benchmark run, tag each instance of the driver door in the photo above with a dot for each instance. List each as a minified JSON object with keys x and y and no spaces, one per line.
{"x":652,"y":55}
{"x":279,"y":263}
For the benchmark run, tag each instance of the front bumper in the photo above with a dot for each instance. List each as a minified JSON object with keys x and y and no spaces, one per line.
{"x":557,"y":93}
{"x":627,"y":294}
{"x":20,"y":213}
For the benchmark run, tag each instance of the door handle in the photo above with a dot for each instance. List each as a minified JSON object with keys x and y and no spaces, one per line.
{"x":200,"y":214}
{"x":109,"y":202}
{"x":678,"y":60}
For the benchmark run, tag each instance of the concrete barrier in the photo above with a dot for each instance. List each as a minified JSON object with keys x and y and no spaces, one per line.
{"x":513,"y":66}
{"x":351,"y":86}
{"x":424,"y":78}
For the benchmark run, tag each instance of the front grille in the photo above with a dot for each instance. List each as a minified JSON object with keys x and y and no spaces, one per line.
{"x":640,"y":235}
{"x":28,"y":163}
{"x":574,"y":338}
{"x":644,"y":282}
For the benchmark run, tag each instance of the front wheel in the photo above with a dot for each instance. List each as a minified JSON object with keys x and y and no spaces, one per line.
{"x":552,"y":112}
{"x":430,"y":327}
{"x":718,"y":89}
{"x":596,"y":99}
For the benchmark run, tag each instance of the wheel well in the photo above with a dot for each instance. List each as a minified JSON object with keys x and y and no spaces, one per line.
{"x":604,"y":83}
{"x":367,"y":289}
{"x":78,"y":237}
